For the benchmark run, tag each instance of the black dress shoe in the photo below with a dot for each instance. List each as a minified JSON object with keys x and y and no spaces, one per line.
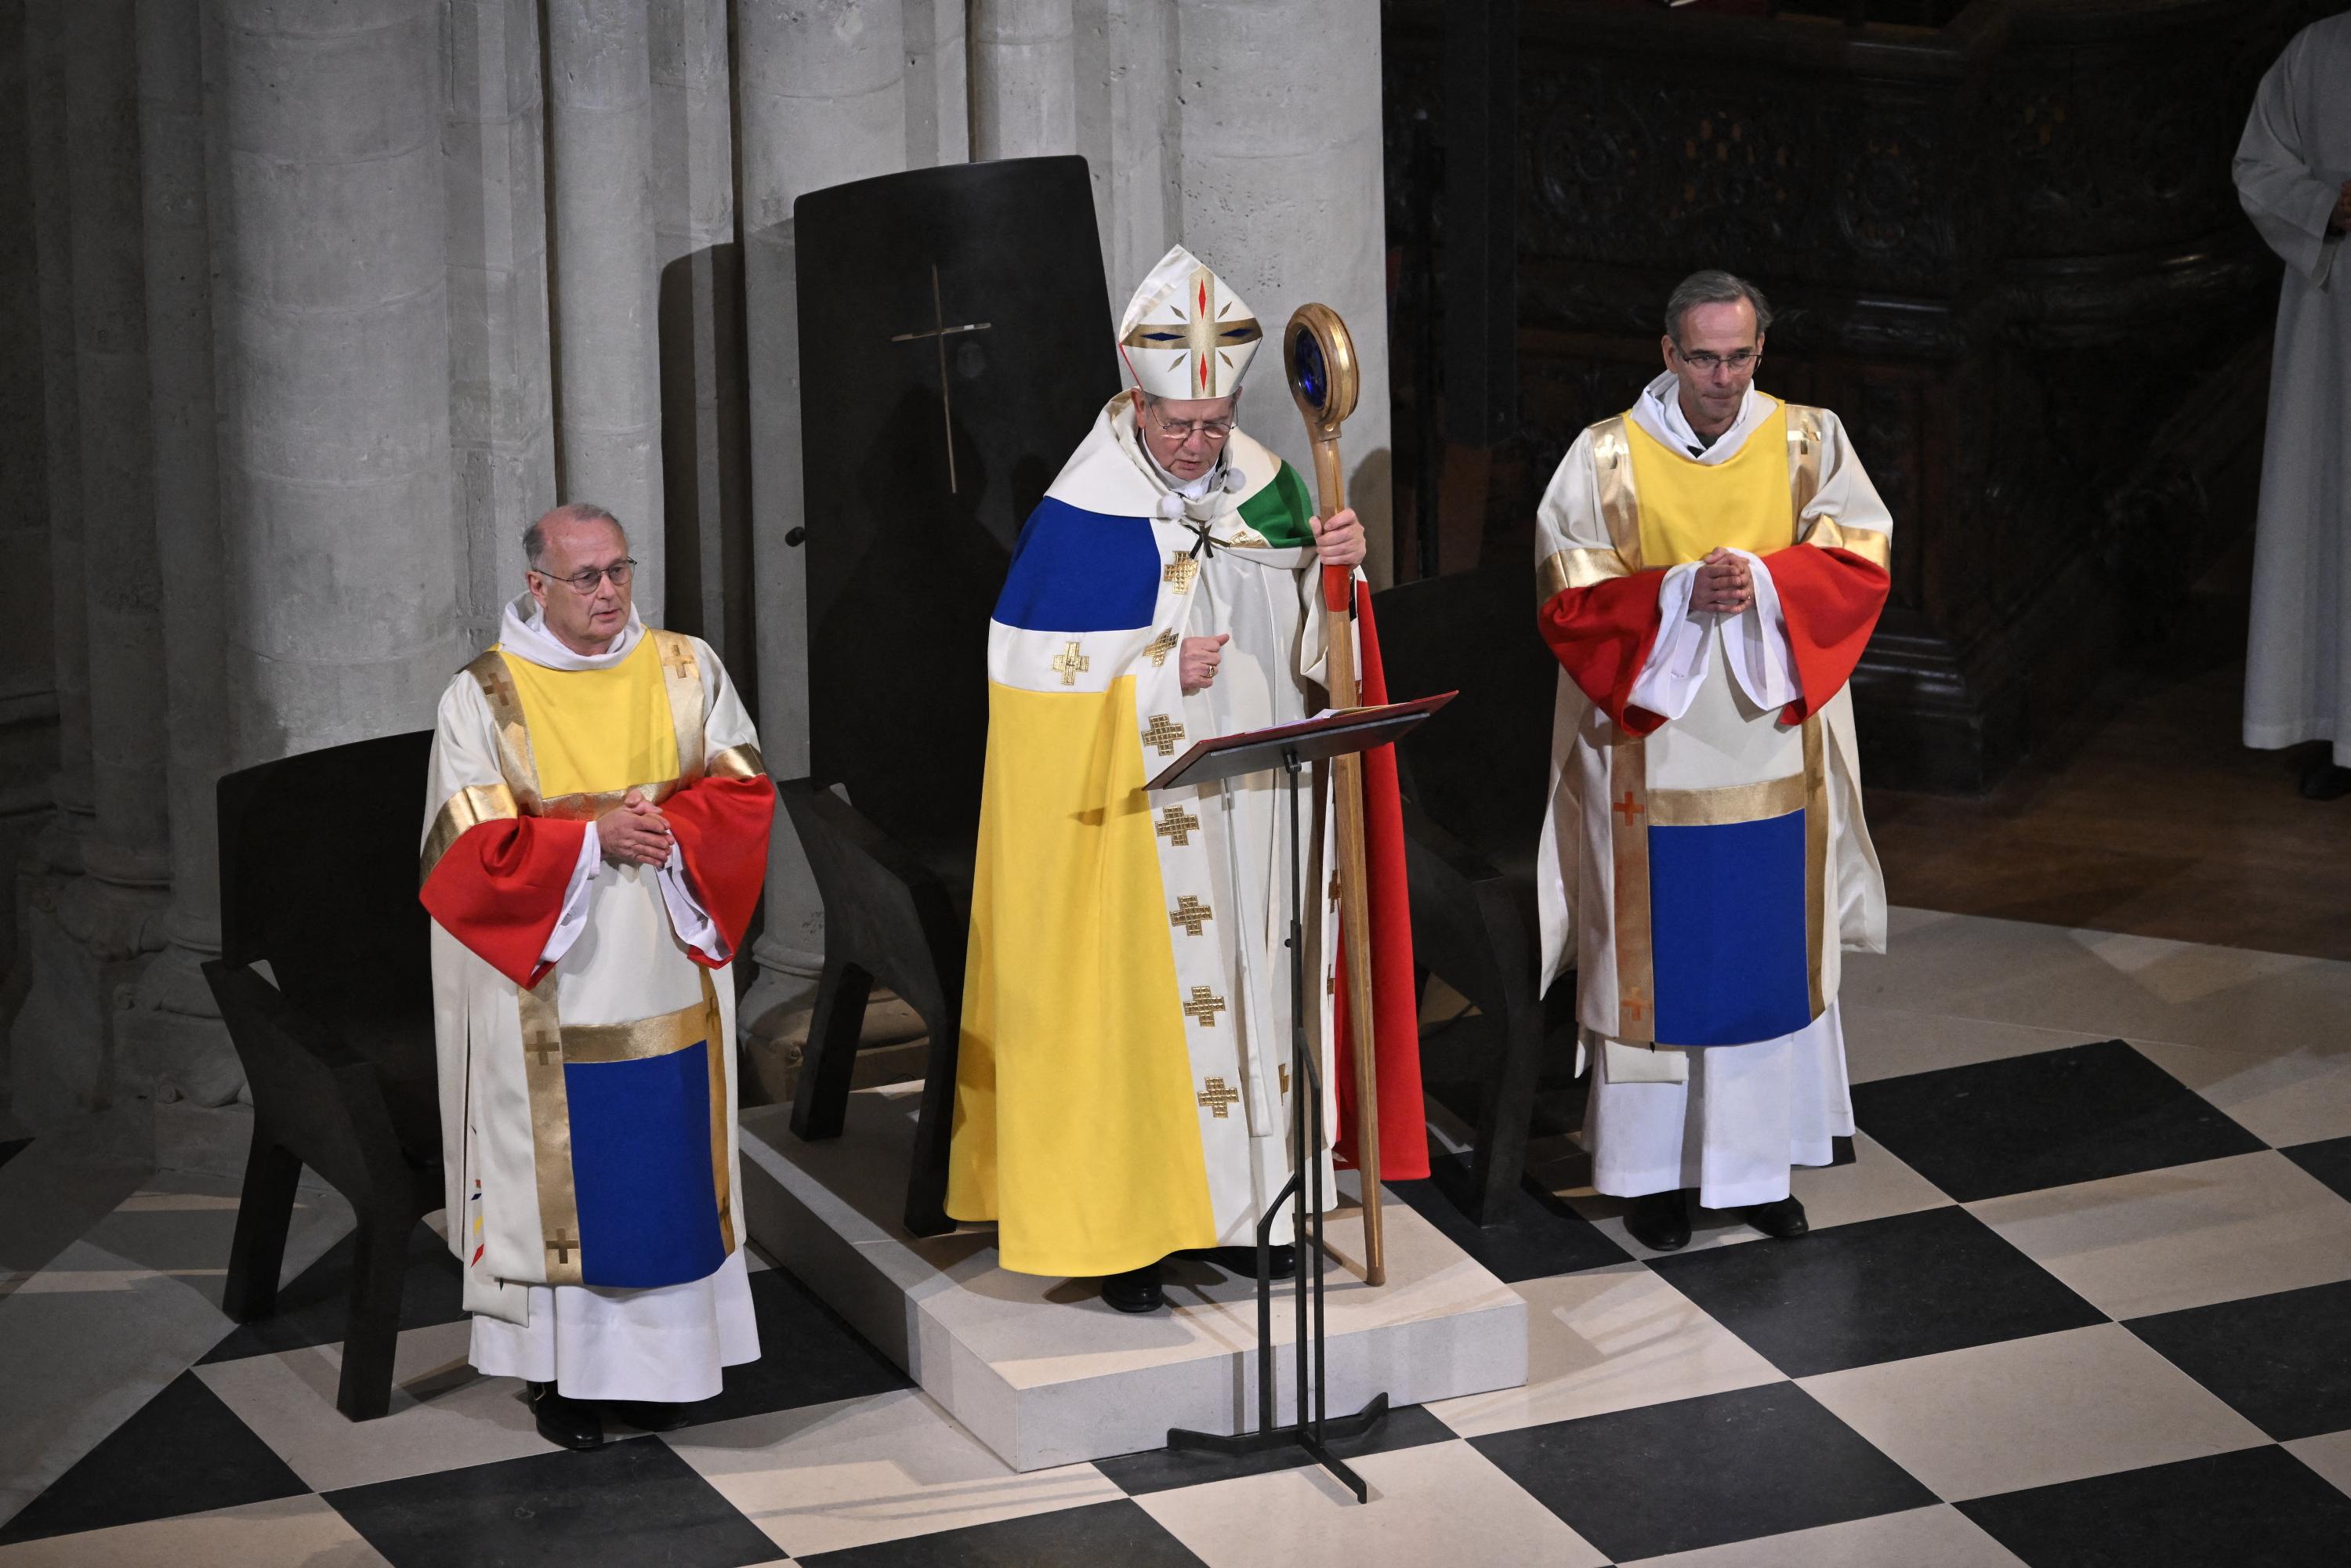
{"x":650,"y":1415}
{"x":1783,"y":1220}
{"x":566,"y":1423}
{"x":1136,"y":1291}
{"x":1660,"y":1220}
{"x":2322,"y":780}
{"x":1281,"y":1260}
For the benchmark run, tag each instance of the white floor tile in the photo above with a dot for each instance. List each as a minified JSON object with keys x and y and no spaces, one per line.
{"x":290,"y":1532}
{"x":2330,"y":1456}
{"x":2033,"y":1412}
{"x":2185,"y":1236}
{"x":1440,"y":1503}
{"x":2280,"y":1100}
{"x":1920,"y":1538}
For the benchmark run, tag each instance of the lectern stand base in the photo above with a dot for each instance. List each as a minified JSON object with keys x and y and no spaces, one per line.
{"x":1304,"y":1438}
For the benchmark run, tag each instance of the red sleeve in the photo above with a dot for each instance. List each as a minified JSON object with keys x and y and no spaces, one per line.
{"x":1830,"y":598}
{"x":499,"y":889}
{"x":1601,"y":636}
{"x":721,"y":826}
{"x":1395,"y":1020}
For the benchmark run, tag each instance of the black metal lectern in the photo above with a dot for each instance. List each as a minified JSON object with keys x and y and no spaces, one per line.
{"x":1289,"y":747}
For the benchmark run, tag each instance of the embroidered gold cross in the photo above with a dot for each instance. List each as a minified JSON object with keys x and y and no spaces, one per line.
{"x":1629,"y":805}
{"x":1068,"y":663}
{"x":1216,"y":1095}
{"x":1164,"y":733}
{"x":1633,"y":1005}
{"x":1161,"y":646}
{"x":1204,"y":1005}
{"x":677,"y":658}
{"x":563,"y":1244}
{"x":1176,"y":825}
{"x":546,"y":1050}
{"x":1191,"y":915}
{"x":1180,"y":570}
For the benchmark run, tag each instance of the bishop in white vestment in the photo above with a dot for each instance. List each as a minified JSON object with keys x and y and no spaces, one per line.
{"x":595,"y":836}
{"x":2293,"y":175}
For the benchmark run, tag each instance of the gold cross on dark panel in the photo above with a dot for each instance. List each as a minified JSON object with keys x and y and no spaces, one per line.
{"x":1191,"y":915}
{"x":1164,"y":733}
{"x":941,"y":332}
{"x":1176,"y":825}
{"x":1216,"y":1095}
{"x":1204,"y":1005}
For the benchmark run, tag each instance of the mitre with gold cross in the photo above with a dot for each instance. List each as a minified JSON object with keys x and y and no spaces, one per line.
{"x":1185,"y":334}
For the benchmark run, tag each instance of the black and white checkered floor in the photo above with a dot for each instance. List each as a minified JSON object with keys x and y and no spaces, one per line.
{"x":2079,"y":1299}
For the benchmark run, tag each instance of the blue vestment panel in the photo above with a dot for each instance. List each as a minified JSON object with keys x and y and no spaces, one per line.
{"x":1075,"y":570}
{"x":1727,"y":931}
{"x":641,"y":1167}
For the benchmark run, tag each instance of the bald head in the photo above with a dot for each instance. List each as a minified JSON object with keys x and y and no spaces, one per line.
{"x":579,"y":574}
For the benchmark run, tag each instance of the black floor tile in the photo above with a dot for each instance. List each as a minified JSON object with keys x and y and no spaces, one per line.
{"x":1534,"y":1237}
{"x":11,"y":1147}
{"x":1165,"y":1469}
{"x":1879,"y":1290}
{"x":2260,"y":1508}
{"x":2329,"y":1161}
{"x":2081,"y":1114}
{"x":1099,"y":1535}
{"x":314,"y":1307}
{"x":184,"y":1452}
{"x":2279,"y":1361}
{"x":625,"y":1505}
{"x":808,"y":1355}
{"x":1692,"y":1473}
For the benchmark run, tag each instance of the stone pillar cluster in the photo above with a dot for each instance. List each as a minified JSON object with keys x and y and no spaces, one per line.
{"x":312,"y":306}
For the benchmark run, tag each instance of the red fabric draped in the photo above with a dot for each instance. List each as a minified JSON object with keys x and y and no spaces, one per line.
{"x":721,"y":825}
{"x":1395,"y":1020}
{"x":1602,"y":635}
{"x":499,"y":889}
{"x":1831,"y":599}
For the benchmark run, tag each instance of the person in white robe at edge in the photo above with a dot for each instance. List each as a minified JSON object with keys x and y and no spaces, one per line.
{"x":2294,"y":176}
{"x":1710,"y":564}
{"x":596,"y":831}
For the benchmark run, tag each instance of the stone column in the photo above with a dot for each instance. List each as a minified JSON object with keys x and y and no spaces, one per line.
{"x":175,"y":1032}
{"x":330,"y":215}
{"x":821,"y":90}
{"x":706,"y":459}
{"x":938,"y":102}
{"x":501,"y":403}
{"x":67,"y":1052}
{"x":1024,"y":78}
{"x":1282,"y":194}
{"x":1128,"y":128}
{"x":607,"y":351}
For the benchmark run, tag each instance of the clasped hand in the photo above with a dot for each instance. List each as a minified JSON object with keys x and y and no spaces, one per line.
{"x":634,"y":833}
{"x":1725,"y":585}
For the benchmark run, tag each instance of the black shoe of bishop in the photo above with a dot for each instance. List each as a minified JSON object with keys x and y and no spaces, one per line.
{"x":1660,"y":1220}
{"x":650,"y":1415}
{"x":1782,"y":1221}
{"x":566,"y":1423}
{"x":1136,"y":1291}
{"x":1281,"y":1261}
{"x":2322,"y":780}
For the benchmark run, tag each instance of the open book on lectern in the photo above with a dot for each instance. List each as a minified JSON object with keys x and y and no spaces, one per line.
{"x":1335,"y":732}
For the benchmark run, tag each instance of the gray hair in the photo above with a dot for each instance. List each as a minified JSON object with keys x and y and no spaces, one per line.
{"x":1714,"y":287}
{"x":534,"y":537}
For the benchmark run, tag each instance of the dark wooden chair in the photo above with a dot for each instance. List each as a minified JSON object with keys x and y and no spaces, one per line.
{"x":318,"y":861}
{"x":1474,"y":779}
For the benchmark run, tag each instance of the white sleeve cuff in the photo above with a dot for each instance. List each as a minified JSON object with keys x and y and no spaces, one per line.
{"x":1676,"y":662}
{"x":686,"y":916}
{"x":1756,"y":641}
{"x":574,"y":918}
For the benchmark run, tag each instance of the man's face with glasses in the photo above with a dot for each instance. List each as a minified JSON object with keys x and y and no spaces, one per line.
{"x":1714,"y":360}
{"x":1186,"y":436}
{"x":582,"y":582}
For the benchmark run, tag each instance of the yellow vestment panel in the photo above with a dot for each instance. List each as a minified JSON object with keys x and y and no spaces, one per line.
{"x":594,"y":731}
{"x":1075,"y":1122}
{"x":1688,"y":508}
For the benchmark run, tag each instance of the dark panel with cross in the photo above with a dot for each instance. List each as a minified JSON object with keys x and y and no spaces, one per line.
{"x":955,"y":343}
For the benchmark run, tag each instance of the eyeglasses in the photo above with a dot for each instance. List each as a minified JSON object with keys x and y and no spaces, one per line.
{"x":585,"y":583}
{"x":1706,"y":364}
{"x":1210,"y":430}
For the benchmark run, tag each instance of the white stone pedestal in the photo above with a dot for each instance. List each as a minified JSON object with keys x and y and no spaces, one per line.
{"x":1041,"y":1371}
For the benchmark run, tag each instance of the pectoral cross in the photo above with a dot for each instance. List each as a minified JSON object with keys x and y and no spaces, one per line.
{"x":1216,"y":1095}
{"x":941,"y":332}
{"x":1176,"y":826}
{"x":1204,"y":1005}
{"x":1629,"y":805}
{"x":1191,"y":915}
